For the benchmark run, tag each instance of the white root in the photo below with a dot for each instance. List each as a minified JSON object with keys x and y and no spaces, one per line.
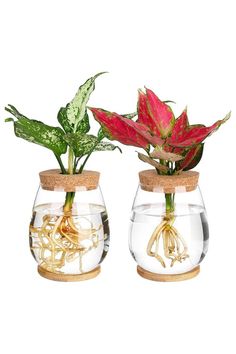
{"x":60,"y":240}
{"x":174,"y":246}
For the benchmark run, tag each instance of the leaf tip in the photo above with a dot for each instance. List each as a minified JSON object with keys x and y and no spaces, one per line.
{"x":8,"y":120}
{"x":101,"y":73}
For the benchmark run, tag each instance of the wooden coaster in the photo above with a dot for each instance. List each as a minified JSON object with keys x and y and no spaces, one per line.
{"x":186,"y":181}
{"x":168,"y":277}
{"x":69,"y":277}
{"x":53,"y":180}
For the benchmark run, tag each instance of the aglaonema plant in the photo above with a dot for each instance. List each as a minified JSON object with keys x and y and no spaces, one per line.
{"x":171,"y":145}
{"x":62,"y":236}
{"x":71,"y":138}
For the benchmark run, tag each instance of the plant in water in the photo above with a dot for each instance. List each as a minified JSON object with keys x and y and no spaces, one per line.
{"x":171,"y":146}
{"x":61,"y":238}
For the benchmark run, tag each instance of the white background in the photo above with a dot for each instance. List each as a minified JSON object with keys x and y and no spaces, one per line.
{"x":184,"y":51}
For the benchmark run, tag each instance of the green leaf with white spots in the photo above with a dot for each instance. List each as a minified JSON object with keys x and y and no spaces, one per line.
{"x":104,"y":146}
{"x":62,"y":119}
{"x":81,"y":144}
{"x":101,"y":134}
{"x":73,"y":117}
{"x":39,"y":133}
{"x":83,"y":126}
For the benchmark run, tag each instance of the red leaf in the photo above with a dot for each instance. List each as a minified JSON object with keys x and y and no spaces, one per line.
{"x":195,"y":134}
{"x":161,"y":114}
{"x":117,"y":128}
{"x":144,"y":131}
{"x":175,"y":150}
{"x":191,"y":159}
{"x":180,"y":126}
{"x":144,"y":116}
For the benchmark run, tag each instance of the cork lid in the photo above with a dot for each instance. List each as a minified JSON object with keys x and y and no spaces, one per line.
{"x":54,"y":180}
{"x":186,"y":181}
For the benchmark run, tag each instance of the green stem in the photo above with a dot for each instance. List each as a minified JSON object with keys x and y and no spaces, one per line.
{"x":69,"y":201}
{"x":170,"y":202}
{"x":76,"y":163}
{"x":83,"y":164}
{"x":88,"y":156}
{"x":70,"y":195}
{"x":63,"y":170}
{"x":70,"y":162}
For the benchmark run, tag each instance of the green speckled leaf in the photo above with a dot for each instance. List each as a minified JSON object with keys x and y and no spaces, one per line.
{"x":83,"y":126}
{"x":38,"y":132}
{"x":101,"y":134}
{"x":81,"y":144}
{"x":76,"y":109}
{"x":62,"y":119}
{"x":104,"y":146}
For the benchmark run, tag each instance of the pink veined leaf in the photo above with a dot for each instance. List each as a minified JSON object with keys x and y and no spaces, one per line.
{"x":153,"y":163}
{"x":144,"y":116}
{"x":161,"y":114}
{"x":117,"y":128}
{"x":180,"y":126}
{"x":143,"y":131}
{"x":195,"y":134}
{"x":164,"y":155}
{"x":173,"y":149}
{"x":191,"y":159}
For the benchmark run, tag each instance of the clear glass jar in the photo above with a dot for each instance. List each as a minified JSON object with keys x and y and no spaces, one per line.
{"x":169,"y":234}
{"x":69,"y":243}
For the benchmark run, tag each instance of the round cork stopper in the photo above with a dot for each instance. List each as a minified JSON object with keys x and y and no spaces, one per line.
{"x":186,"y":181}
{"x":52,"y":180}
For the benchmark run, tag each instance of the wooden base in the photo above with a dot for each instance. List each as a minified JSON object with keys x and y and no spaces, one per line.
{"x":68,"y":277}
{"x":168,"y":277}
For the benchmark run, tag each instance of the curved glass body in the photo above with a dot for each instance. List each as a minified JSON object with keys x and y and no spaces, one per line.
{"x":73,"y":242}
{"x":164,"y":242}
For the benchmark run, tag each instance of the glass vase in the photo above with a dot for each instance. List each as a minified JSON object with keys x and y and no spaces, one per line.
{"x":69,"y":230}
{"x":169,"y":234}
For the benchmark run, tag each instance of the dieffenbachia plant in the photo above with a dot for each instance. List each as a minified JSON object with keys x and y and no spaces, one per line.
{"x":72,"y":136}
{"x":171,"y":145}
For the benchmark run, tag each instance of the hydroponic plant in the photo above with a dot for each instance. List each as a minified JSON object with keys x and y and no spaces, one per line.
{"x":62,"y":238}
{"x":171,"y":146}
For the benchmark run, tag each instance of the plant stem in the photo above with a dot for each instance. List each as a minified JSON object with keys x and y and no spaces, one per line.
{"x":63,"y":170}
{"x":70,"y":161}
{"x":69,"y":201}
{"x":170,"y":205}
{"x":88,"y":156}
{"x":83,"y":164}
{"x":69,"y":195}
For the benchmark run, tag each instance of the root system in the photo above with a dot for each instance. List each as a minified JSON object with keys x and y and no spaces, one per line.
{"x":62,"y":240}
{"x":174,"y":246}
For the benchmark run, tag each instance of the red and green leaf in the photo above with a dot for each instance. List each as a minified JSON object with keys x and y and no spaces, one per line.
{"x":144,"y":117}
{"x":117,"y":128}
{"x":143,"y":131}
{"x":160,"y":113}
{"x":191,"y":159}
{"x":150,"y":161}
{"x":180,"y":126}
{"x":164,"y":155}
{"x":195,"y":134}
